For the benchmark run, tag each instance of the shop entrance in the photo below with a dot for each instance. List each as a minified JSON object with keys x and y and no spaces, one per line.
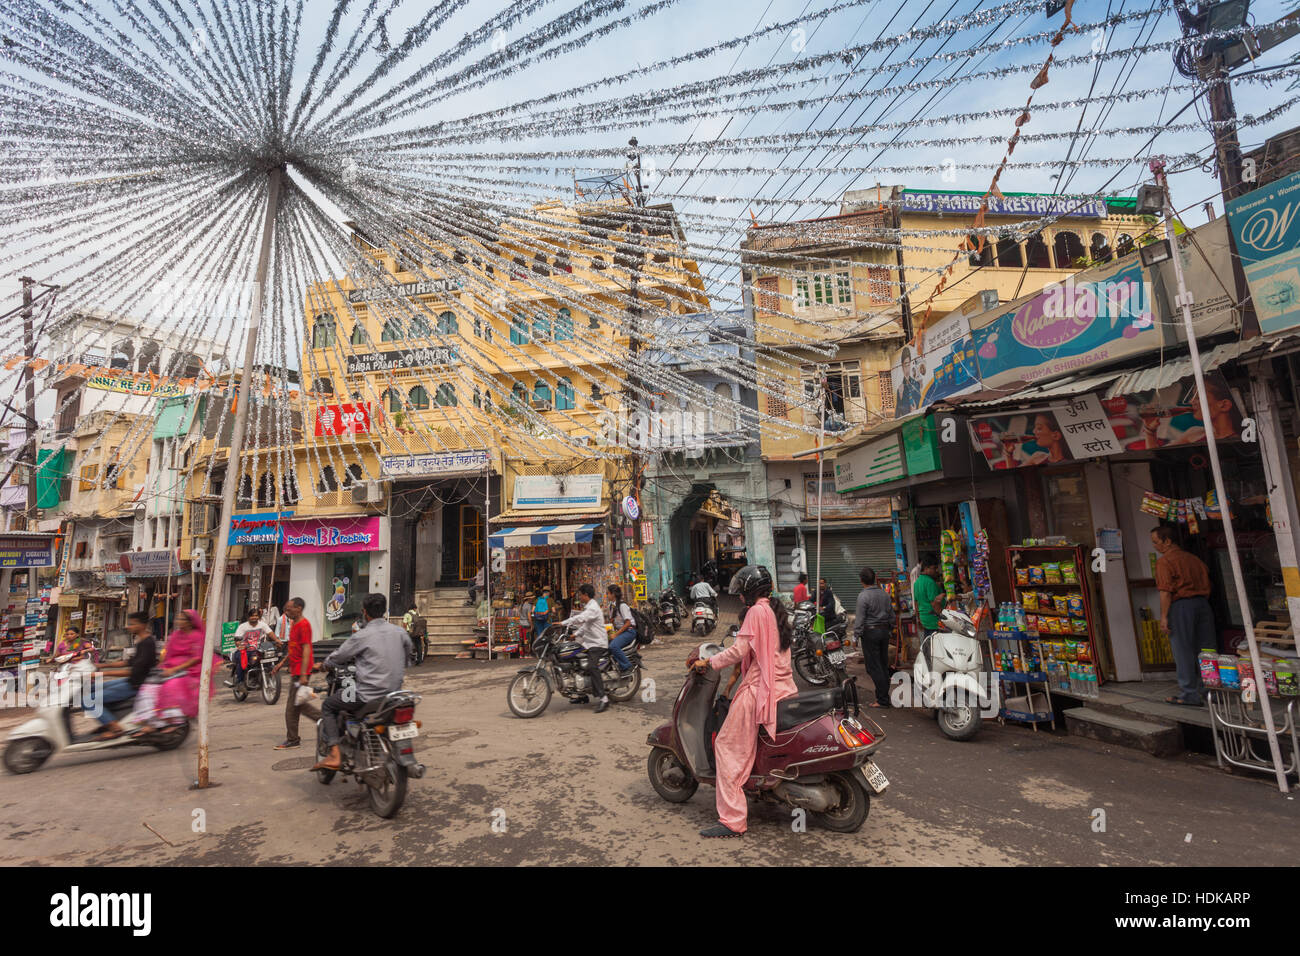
{"x":471,"y":541}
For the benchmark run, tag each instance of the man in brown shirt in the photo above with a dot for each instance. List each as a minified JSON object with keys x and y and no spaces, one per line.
{"x":1185,"y":612}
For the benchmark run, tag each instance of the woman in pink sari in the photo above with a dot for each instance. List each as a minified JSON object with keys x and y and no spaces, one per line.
{"x":182,"y":664}
{"x":762,"y":649}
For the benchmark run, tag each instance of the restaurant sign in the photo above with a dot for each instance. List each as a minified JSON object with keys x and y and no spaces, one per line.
{"x":322,"y":535}
{"x":256,"y":529}
{"x":406,"y":290}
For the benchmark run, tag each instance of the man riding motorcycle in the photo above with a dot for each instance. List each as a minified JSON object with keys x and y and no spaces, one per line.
{"x":589,"y":631}
{"x":248,"y":645}
{"x":381,"y":650}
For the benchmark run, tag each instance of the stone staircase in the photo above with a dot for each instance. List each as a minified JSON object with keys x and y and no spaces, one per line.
{"x":450,"y":623}
{"x":1136,"y":716}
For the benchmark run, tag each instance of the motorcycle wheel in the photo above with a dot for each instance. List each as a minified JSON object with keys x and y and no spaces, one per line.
{"x":855,"y":804}
{"x":525,"y":697}
{"x":388,"y":799}
{"x":808,"y":671}
{"x":324,"y":776}
{"x":671,"y":778}
{"x":170,"y":738}
{"x":271,"y":687}
{"x":240,"y":691}
{"x":628,"y":690}
{"x":959,"y":723}
{"x":27,"y":754}
{"x":838,"y":675}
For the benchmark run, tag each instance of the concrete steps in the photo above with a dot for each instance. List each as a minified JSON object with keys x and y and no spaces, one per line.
{"x":1126,"y":729}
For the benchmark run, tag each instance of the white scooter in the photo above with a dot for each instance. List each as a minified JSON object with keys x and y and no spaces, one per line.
{"x":946,"y":674}
{"x":50,"y":731}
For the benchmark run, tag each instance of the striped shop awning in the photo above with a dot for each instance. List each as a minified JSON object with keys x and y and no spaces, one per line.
{"x":528,"y":536}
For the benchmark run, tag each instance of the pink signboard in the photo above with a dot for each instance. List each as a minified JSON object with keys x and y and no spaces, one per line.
{"x":320,"y":535}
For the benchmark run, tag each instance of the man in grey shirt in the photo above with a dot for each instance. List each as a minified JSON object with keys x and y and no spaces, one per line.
{"x":381,"y":650}
{"x":873,"y":622}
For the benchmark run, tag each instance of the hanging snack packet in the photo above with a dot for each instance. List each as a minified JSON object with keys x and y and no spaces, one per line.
{"x":1022,"y":576}
{"x":1029,"y":600}
{"x":1036,"y":575}
{"x":1153,"y":504}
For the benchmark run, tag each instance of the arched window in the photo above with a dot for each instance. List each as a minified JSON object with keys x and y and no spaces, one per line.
{"x":541,"y":391}
{"x":289,"y":489}
{"x":541,"y":328}
{"x":123,"y":355}
{"x":1124,"y":244}
{"x":1009,"y":256}
{"x":246,"y":489}
{"x":328,"y":481}
{"x":1037,"y":253}
{"x":392,"y":332}
{"x":419,"y":398}
{"x":445,"y":395}
{"x":518,"y":330}
{"x":322,"y":331}
{"x":564,"y":394}
{"x":563,"y":325}
{"x":150,"y":358}
{"x":1069,"y":250}
{"x":392,"y":400}
{"x":977,"y":256}
{"x":420,"y":327}
{"x":1099,"y":251}
{"x":447,"y":323}
{"x":352,"y":475}
{"x":358,"y":333}
{"x":593,"y":322}
{"x":322,"y":387}
{"x":266,"y":490}
{"x":519,"y":395}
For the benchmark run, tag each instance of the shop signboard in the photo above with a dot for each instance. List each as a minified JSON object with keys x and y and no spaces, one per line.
{"x":533,"y":492}
{"x":149,"y":564}
{"x":920,"y":445}
{"x":1098,"y":316}
{"x":339,"y":420}
{"x":647,"y":532}
{"x":325,"y":535}
{"x":946,"y":366}
{"x":1207,"y":274}
{"x":1008,"y":204}
{"x":23,"y":552}
{"x":263,"y":528}
{"x":444,"y":465}
{"x":1266,"y":228}
{"x":405,"y":290}
{"x":228,"y":629}
{"x":872,"y":464}
{"x":66,"y":556}
{"x":114,"y":576}
{"x":401,"y":358}
{"x":636,"y":563}
{"x":836,"y":506}
{"x":151,"y":386}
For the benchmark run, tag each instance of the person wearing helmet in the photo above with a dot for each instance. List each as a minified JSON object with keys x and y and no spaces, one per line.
{"x":762,"y":649}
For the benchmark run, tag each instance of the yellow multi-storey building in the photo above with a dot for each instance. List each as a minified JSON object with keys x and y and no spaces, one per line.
{"x":450,"y":380}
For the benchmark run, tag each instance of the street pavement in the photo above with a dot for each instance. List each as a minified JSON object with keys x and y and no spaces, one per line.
{"x":570,"y":786}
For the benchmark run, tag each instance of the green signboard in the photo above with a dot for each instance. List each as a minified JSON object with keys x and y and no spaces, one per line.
{"x":228,"y":636}
{"x":921,"y":445}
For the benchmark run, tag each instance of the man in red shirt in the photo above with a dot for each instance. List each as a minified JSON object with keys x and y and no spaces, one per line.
{"x":300,"y":663}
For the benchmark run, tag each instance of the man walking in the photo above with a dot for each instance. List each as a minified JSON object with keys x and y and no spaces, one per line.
{"x":873,"y":621}
{"x":1185,"y":612}
{"x":300,"y":663}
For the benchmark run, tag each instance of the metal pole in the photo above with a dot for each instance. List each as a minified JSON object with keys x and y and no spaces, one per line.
{"x":216,"y":584}
{"x":487,"y":548}
{"x":1224,"y":505}
{"x":821,"y":391}
{"x":29,"y":349}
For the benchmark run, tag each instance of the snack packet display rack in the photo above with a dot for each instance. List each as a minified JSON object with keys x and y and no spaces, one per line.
{"x":1065,"y":631}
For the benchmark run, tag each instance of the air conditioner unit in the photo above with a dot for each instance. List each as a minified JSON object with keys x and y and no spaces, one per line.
{"x":541,"y":405}
{"x":367,"y":493}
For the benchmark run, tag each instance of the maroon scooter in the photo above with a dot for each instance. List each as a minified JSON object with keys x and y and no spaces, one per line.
{"x":819,"y":761}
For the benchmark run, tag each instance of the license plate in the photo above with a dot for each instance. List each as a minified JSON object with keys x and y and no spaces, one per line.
{"x":835,"y":657}
{"x":407,"y":731}
{"x":874,"y":777}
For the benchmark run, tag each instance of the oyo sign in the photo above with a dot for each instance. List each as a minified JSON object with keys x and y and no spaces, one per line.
{"x":335,"y":420}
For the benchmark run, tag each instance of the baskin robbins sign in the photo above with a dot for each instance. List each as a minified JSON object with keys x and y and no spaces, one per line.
{"x":1098,"y":316}
{"x":324,"y":535}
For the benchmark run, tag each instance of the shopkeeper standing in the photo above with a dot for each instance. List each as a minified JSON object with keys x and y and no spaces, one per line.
{"x":928,"y":594}
{"x":1185,"y":612}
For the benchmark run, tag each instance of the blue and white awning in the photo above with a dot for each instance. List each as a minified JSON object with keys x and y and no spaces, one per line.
{"x":528,"y":536}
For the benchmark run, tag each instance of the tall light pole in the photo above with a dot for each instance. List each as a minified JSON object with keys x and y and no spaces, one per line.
{"x":1225,"y":507}
{"x":244,"y":399}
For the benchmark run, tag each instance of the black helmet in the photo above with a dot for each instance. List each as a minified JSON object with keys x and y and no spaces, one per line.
{"x":752,"y":581}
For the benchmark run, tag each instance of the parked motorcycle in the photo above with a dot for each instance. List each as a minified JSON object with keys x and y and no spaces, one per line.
{"x":819,"y":761}
{"x":818,"y":658}
{"x":668,"y":611}
{"x":35,"y":741}
{"x":260,"y":674}
{"x":945,"y":672}
{"x":377,"y":746}
{"x":560,"y":667}
{"x":704,"y":617}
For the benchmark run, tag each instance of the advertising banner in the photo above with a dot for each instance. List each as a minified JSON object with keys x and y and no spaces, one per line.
{"x":322,"y":535}
{"x":1069,"y":326}
{"x":834,"y":505}
{"x":947,"y":366}
{"x":22,"y":552}
{"x":873,"y":464}
{"x":1266,"y":228}
{"x":446,"y":464}
{"x":549,"y":491}
{"x":149,"y":564}
{"x":256,"y":529}
{"x":336,"y":420}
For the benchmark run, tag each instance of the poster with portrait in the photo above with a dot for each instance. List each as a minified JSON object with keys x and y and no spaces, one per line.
{"x":945,"y":367}
{"x":1020,"y":439}
{"x":1171,"y":416}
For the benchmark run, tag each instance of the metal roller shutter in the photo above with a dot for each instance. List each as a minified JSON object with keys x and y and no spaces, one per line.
{"x":845,"y":553}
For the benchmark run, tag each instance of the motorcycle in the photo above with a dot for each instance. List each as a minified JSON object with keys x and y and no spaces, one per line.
{"x":35,"y":741}
{"x":668,"y":611}
{"x":704,"y":617}
{"x":560,"y":666}
{"x":377,"y":746}
{"x":820,"y":760}
{"x":944,"y":673}
{"x":818,"y":658}
{"x":260,"y":674}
